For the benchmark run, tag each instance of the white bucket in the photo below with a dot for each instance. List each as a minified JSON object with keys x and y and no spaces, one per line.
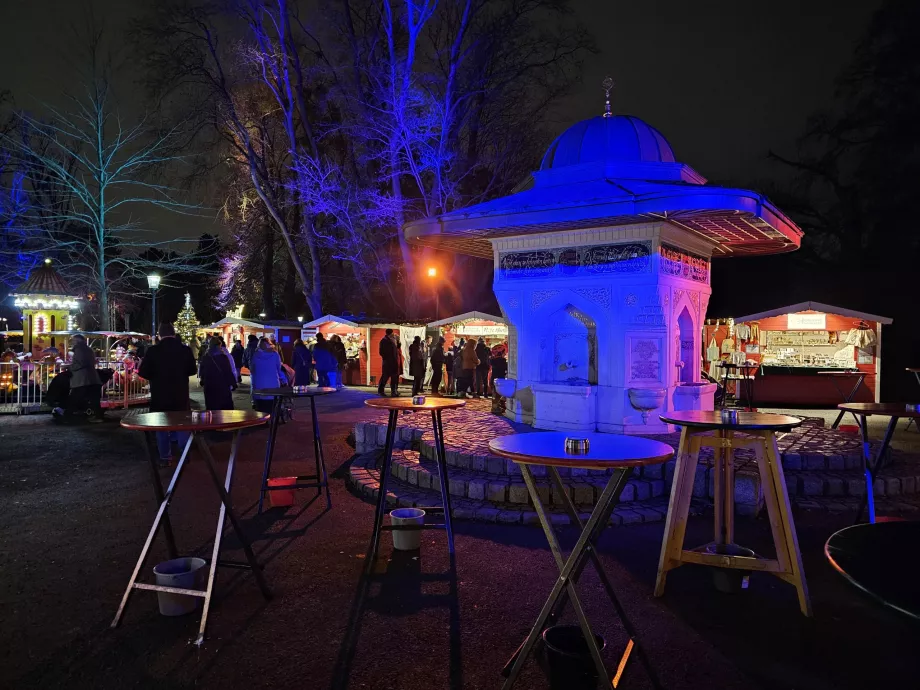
{"x":407,"y":540}
{"x":187,"y":573}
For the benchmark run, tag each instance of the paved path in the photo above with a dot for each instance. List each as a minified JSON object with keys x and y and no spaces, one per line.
{"x":77,"y":503}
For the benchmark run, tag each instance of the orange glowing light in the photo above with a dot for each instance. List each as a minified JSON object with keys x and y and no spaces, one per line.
{"x":432,"y":272}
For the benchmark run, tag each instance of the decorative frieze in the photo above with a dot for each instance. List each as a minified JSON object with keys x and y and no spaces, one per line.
{"x":602,"y":259}
{"x":681,"y":264}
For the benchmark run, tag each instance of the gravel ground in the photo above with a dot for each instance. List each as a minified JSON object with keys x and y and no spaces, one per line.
{"x":77,"y":504}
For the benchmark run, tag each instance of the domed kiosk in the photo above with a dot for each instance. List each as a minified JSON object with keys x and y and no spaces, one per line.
{"x":602,"y":262}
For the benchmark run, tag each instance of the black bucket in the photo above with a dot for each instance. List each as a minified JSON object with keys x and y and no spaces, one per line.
{"x":730,"y":580}
{"x":567,"y":660}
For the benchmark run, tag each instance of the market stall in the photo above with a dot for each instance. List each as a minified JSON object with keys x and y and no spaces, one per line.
{"x":361,"y":335}
{"x":283,"y":333}
{"x":472,"y":324}
{"x":800,"y":353}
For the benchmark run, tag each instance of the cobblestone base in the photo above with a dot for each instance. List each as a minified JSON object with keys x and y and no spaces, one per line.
{"x":822,"y":468}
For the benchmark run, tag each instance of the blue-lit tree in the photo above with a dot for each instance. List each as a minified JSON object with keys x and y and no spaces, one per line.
{"x":81,"y":175}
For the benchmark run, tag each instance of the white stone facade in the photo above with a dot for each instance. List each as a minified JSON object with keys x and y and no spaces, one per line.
{"x":593,"y":313}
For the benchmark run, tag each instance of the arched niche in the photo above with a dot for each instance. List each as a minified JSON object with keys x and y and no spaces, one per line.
{"x":568,"y":350}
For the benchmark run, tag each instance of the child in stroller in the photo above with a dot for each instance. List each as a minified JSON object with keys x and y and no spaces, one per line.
{"x":66,"y":407}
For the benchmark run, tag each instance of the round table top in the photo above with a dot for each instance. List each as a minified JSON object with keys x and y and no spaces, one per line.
{"x":854,"y":372}
{"x":407,"y":404}
{"x":288,"y":392}
{"x":221,"y":420}
{"x":747,"y":421}
{"x":880,"y":559}
{"x":889,"y":409}
{"x":605,"y":451}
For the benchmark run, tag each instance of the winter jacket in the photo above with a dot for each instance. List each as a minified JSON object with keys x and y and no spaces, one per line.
{"x":83,"y":367}
{"x":217,"y":379}
{"x":248,"y":353}
{"x":303,"y":365}
{"x":238,"y":352}
{"x":499,"y":367}
{"x":468,"y":355}
{"x":449,"y":362}
{"x":484,"y":354}
{"x":324,"y":357}
{"x":388,"y":352}
{"x":437,"y":356}
{"x":338,"y":351}
{"x":266,"y":372}
{"x":416,"y":360}
{"x":167,"y":367}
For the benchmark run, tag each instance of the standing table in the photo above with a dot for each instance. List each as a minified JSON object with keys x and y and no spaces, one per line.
{"x":701,"y":428}
{"x":916,"y":372}
{"x":879,"y":560}
{"x":319,"y":480}
{"x":620,"y":454}
{"x":835,"y":377}
{"x":223,"y":420}
{"x":396,"y":405}
{"x":872,"y":466}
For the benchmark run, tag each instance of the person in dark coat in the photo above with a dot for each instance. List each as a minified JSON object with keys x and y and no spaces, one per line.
{"x":499,"y":366}
{"x":341,"y":358}
{"x":417,"y":365}
{"x":437,"y":365}
{"x":85,"y":384}
{"x":167,"y":367}
{"x":217,"y":377}
{"x":484,"y":354}
{"x":449,"y":366}
{"x":302,"y":361}
{"x":390,"y":357}
{"x":252,"y":343}
{"x":237,"y":353}
{"x":324,"y":359}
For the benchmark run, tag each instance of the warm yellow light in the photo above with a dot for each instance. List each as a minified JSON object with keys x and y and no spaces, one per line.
{"x":47,"y":261}
{"x":432,"y":272}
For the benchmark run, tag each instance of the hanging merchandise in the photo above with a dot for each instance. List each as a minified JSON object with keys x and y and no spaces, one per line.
{"x":755,"y":331}
{"x":861,"y":337}
{"x":712,"y":352}
{"x":743,"y":331}
{"x":728,"y":345}
{"x":738,"y":358}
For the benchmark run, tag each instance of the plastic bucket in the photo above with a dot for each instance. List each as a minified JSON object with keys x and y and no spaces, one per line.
{"x":187,"y":573}
{"x":407,"y":540}
{"x":567,"y":659}
{"x":730,"y":580}
{"x":280,"y":498}
{"x":848,"y":428}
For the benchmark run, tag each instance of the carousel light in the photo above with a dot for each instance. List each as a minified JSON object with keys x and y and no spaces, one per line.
{"x":47,"y":262}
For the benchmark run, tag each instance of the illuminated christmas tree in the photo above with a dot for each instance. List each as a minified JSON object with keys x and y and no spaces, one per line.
{"x":186,"y":322}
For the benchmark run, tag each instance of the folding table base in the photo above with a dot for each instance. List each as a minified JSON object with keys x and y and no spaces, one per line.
{"x":226,"y":510}
{"x":570,"y":570}
{"x":318,"y":481}
{"x":440,"y":458}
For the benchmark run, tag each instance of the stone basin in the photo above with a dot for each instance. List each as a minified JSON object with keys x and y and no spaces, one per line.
{"x":506,"y":387}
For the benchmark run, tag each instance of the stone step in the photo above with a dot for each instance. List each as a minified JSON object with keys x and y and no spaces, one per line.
{"x":416,"y":470}
{"x":364,"y":479}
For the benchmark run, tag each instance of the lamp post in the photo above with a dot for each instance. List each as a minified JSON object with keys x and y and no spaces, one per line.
{"x":153,"y":282}
{"x":433,"y":274}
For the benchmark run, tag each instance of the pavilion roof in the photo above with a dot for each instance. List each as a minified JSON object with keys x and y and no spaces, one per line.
{"x":44,"y":280}
{"x":736,"y":222}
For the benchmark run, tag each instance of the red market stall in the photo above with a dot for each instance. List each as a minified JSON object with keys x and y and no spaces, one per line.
{"x":282,"y":333}
{"x":472,"y":324}
{"x":362,"y":336}
{"x":794,"y":350}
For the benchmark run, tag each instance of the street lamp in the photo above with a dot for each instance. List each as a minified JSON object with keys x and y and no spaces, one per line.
{"x":433,"y":274}
{"x":300,"y":319}
{"x":153,"y":282}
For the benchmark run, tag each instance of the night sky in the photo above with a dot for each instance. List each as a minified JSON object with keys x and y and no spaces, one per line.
{"x":724,"y":81}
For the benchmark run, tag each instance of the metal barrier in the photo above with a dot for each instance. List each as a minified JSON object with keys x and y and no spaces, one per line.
{"x":24,"y":385}
{"x":125,"y":388}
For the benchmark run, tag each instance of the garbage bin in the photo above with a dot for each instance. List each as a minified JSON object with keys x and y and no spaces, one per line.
{"x":186,"y":573}
{"x":407,"y":540}
{"x":567,"y":660}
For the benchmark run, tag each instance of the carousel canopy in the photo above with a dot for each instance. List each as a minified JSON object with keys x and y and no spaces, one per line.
{"x":814,"y":306}
{"x":609,"y":171}
{"x":44,"y":281}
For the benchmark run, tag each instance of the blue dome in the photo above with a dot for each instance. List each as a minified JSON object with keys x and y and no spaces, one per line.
{"x":620,"y":138}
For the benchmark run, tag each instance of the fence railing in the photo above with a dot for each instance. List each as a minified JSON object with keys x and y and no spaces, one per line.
{"x":24,"y":385}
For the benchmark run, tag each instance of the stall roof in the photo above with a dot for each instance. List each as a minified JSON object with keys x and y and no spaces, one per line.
{"x":814,"y":306}
{"x":468,"y":316}
{"x":233,"y":321}
{"x":354,"y":321}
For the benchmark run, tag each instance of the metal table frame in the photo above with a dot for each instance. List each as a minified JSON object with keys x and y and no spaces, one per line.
{"x":872,"y":466}
{"x":440,"y":459}
{"x":226,"y":510}
{"x":319,"y":480}
{"x":860,"y":377}
{"x":570,"y":570}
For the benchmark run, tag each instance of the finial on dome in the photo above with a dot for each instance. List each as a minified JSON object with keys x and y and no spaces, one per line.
{"x":608,"y":85}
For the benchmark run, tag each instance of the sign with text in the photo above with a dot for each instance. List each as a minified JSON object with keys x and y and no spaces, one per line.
{"x":807,"y":322}
{"x":482,"y":330}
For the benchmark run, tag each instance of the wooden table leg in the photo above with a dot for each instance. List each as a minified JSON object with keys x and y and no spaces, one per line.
{"x":718,"y":493}
{"x":728,"y":487}
{"x":675,"y":528}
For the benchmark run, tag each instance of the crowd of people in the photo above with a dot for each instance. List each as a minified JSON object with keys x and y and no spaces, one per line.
{"x":466,"y":368}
